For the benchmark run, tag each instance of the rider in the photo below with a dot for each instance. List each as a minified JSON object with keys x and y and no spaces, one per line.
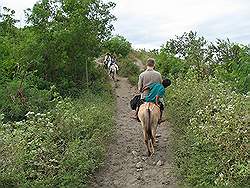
{"x":156,"y":94}
{"x":146,"y":78}
{"x":107,"y":59}
{"x":113,"y":62}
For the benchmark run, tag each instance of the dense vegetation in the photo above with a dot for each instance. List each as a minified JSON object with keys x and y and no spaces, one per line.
{"x":118,"y":46}
{"x":53,"y":122}
{"x":56,"y":48}
{"x":122,"y":50}
{"x":59,"y":148}
{"x":208,"y":106}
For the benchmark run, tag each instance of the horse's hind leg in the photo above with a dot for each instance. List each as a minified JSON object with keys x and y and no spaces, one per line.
{"x":147,"y":142}
{"x":154,"y":137}
{"x":152,"y":146}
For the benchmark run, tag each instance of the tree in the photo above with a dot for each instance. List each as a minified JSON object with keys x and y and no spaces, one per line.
{"x":118,"y":45}
{"x":69,"y":34}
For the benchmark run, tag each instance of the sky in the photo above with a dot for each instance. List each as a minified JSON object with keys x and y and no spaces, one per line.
{"x":150,"y":23}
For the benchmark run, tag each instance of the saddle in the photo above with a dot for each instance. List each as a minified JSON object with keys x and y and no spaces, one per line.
{"x":135,"y":102}
{"x":150,"y":105}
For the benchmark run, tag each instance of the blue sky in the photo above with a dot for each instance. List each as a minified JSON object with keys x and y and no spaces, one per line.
{"x":149,"y":24}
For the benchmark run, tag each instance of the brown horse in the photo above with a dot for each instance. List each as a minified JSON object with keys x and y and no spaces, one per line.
{"x":149,"y":115}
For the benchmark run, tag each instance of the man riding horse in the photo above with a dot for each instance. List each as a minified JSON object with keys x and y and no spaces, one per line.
{"x":146,"y":79}
{"x":149,"y":109}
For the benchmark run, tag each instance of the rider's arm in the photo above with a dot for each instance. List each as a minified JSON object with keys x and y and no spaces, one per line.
{"x":145,"y":88}
{"x":140,"y":82}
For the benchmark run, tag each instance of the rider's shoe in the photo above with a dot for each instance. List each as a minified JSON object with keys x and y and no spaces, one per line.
{"x":136,"y":118}
{"x":161,"y":121}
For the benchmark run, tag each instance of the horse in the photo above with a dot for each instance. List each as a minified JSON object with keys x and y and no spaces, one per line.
{"x":149,"y":115}
{"x":113,"y":68}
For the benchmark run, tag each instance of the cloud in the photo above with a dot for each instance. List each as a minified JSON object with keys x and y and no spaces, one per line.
{"x":149,"y":24}
{"x":152,"y":23}
{"x":233,"y":26}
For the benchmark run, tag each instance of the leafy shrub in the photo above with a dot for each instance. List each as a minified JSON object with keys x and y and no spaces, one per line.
{"x":170,"y":65}
{"x":16,"y":101}
{"x":118,"y":45}
{"x":211,"y":125}
{"x":133,"y":79}
{"x":59,"y":148}
{"x":222,"y":59}
{"x":130,"y":70}
{"x":143,"y":54}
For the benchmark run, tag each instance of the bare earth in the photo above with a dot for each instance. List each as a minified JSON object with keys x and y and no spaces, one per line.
{"x":126,"y":163}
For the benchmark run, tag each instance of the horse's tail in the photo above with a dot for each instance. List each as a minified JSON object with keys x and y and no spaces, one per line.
{"x":148,"y":125}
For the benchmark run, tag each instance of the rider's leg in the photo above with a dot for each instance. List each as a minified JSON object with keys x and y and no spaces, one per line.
{"x":162,"y":110}
{"x":137,"y":110}
{"x":136,"y":113}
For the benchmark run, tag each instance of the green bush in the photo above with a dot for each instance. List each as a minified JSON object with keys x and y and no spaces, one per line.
{"x":16,"y":101}
{"x":133,"y":79}
{"x":210,"y":123}
{"x":143,"y":54}
{"x":130,"y":70}
{"x":118,"y":45}
{"x":222,"y":59}
{"x":59,"y":148}
{"x":168,"y":65}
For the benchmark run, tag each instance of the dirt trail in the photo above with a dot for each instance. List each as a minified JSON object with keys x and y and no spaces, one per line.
{"x":126,"y":163}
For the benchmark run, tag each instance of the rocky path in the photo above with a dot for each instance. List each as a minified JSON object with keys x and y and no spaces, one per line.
{"x":126,"y":163}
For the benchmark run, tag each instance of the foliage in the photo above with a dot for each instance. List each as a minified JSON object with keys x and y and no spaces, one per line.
{"x":59,"y":148}
{"x":170,"y":65}
{"x":211,"y":126}
{"x":130,"y":70}
{"x":118,"y":45}
{"x":223,"y":60}
{"x":15,"y":103}
{"x":45,"y":140}
{"x":69,"y":35}
{"x":143,"y":54}
{"x":57,"y":48}
{"x":208,"y":106}
{"x":231,"y":62}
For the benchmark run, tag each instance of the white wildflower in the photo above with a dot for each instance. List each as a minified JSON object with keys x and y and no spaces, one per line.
{"x":30,"y":113}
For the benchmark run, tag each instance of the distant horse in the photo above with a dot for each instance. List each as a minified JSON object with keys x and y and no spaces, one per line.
{"x":113,"y":68}
{"x":149,"y":115}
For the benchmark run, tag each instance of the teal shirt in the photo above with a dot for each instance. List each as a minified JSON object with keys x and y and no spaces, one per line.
{"x":155,"y":89}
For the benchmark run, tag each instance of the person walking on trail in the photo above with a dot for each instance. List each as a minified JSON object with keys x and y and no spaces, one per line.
{"x":146,"y":78}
